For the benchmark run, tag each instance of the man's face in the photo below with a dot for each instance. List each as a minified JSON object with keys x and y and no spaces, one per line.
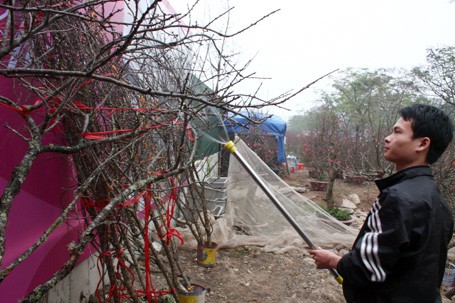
{"x":399,"y":147}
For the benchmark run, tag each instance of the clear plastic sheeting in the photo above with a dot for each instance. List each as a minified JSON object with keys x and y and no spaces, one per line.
{"x":251,"y":218}
{"x":252,"y":213}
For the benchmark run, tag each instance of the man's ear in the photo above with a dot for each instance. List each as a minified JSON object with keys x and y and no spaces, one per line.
{"x":424,"y":143}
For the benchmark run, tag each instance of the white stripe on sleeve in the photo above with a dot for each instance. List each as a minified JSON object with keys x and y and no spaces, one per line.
{"x":369,"y":246}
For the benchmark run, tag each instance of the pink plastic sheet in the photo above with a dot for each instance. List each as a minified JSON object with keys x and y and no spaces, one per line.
{"x":47,"y":190}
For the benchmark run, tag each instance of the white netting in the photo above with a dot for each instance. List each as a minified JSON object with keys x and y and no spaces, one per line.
{"x":251,"y":218}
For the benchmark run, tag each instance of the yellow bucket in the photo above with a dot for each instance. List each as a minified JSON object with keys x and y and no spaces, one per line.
{"x":206,"y":255}
{"x":197,"y":295}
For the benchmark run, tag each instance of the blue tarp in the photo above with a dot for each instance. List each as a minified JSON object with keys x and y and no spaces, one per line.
{"x":273,"y":126}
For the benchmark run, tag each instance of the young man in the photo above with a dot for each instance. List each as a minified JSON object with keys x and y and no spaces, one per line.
{"x":401,"y":250}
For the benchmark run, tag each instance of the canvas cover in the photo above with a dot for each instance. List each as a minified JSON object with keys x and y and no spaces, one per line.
{"x":273,"y":126}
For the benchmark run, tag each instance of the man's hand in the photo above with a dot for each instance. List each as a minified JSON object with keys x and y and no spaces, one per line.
{"x":324,"y":258}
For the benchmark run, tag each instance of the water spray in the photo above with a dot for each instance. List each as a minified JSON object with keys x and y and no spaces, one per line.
{"x":230,"y":146}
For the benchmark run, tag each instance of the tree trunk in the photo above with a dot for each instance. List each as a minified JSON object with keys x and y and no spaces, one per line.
{"x":329,"y":193}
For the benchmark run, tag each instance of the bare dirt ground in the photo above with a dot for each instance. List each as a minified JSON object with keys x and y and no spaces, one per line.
{"x":248,"y":274}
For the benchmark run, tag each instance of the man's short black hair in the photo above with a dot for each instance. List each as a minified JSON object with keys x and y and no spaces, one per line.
{"x":429,"y":121}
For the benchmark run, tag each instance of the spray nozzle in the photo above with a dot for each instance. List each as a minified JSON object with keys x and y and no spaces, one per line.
{"x":230,"y":146}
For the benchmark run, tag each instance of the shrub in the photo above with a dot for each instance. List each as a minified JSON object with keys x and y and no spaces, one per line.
{"x":338,"y":213}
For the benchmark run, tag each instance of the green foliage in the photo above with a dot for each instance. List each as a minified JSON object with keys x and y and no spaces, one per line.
{"x":319,"y":174}
{"x":338,"y":213}
{"x":297,"y":123}
{"x":346,"y":132}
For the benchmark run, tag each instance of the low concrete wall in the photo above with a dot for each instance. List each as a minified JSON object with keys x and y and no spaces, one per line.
{"x":77,"y":286}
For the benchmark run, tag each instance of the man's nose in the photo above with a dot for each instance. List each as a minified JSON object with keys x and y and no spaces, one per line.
{"x":387,"y":139}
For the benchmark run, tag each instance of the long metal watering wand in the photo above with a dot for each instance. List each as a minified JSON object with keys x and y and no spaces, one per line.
{"x":230,"y":146}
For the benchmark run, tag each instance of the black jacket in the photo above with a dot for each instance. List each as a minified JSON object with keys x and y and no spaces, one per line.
{"x":401,"y":250}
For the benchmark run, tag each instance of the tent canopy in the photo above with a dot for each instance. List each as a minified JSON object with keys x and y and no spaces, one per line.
{"x":272,"y":126}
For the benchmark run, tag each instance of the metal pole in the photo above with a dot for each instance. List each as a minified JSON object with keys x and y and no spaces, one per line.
{"x":230,"y":146}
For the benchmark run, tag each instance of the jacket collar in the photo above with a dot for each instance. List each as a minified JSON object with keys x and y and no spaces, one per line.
{"x":407,"y":173}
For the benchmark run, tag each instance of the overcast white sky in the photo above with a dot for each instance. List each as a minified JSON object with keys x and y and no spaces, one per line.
{"x":307,"y":39}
